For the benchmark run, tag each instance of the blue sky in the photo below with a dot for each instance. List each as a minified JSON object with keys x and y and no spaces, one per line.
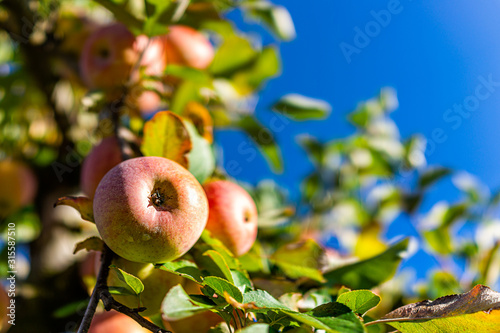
{"x":434,"y":53}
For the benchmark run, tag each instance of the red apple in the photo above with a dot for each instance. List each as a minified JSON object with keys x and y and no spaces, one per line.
{"x":108,"y":57}
{"x":232,"y":215}
{"x":112,"y":321}
{"x":18,"y":186}
{"x":150,"y":209}
{"x":188,"y":47}
{"x":101,"y":159}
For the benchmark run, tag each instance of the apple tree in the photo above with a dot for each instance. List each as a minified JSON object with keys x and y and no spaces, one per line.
{"x":118,"y":213}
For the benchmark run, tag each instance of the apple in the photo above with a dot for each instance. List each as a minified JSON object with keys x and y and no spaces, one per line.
{"x":98,"y":162}
{"x":18,"y":186}
{"x":112,"y":321}
{"x":188,"y":47}
{"x":232,"y":215}
{"x":156,"y":285}
{"x":150,"y":209}
{"x":199,"y":323}
{"x":4,"y":303}
{"x":108,"y":57}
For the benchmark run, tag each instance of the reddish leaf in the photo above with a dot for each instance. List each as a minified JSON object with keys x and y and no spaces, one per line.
{"x":82,"y":204}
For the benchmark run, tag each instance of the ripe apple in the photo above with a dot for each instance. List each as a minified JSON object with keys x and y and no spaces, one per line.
{"x":18,"y":186}
{"x":150,"y":209}
{"x":108,"y":57}
{"x":112,"y":321}
{"x":4,"y":303}
{"x":232,"y":215}
{"x":188,"y":47}
{"x":98,"y":162}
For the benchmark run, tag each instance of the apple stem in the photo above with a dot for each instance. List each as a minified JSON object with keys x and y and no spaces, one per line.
{"x":101,"y":292}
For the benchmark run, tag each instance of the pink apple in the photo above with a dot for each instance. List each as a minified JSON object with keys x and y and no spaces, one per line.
{"x":108,"y":57}
{"x":232,"y":215}
{"x":150,"y":209}
{"x":98,"y":162}
{"x":18,"y":186}
{"x":112,"y":321}
{"x":188,"y":47}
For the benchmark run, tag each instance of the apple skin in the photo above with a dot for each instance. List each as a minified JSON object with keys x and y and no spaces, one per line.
{"x":188,"y":47}
{"x":18,"y":186}
{"x":232,"y":215}
{"x":102,"y":158}
{"x":108,"y":57}
{"x":150,"y":209}
{"x":112,"y":321}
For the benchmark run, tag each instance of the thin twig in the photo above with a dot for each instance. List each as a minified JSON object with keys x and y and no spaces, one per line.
{"x":102,"y":277}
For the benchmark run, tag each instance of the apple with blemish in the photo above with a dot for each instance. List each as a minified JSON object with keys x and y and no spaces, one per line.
{"x":232,"y":215}
{"x":102,"y":158}
{"x":150,"y":209}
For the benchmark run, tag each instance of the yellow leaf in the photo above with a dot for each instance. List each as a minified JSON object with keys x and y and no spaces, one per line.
{"x":165,"y":135}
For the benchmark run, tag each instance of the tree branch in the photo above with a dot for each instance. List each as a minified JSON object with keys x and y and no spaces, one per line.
{"x":102,"y":277}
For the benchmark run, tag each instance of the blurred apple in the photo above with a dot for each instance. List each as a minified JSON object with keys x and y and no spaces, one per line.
{"x":188,"y":47}
{"x":108,"y":57}
{"x":150,"y":209}
{"x":98,"y":162}
{"x":18,"y":186}
{"x":4,"y":303}
{"x":232,"y":215}
{"x":112,"y":321}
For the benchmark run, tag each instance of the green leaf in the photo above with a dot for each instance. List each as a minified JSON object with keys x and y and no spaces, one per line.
{"x":300,"y":107}
{"x":257,"y":328}
{"x":93,"y":243}
{"x":332,"y":317}
{"x":220,"y":286}
{"x":313,"y":147}
{"x":265,"y":66}
{"x":439,"y":240}
{"x":431,"y":176}
{"x":218,"y":260}
{"x":234,"y":53}
{"x":71,"y":308}
{"x":83,"y":205}
{"x":212,"y":243}
{"x":264,"y":139}
{"x":241,"y":281}
{"x":370,"y":272}
{"x":359,"y":301}
{"x":131,"y":282}
{"x":184,"y":268}
{"x":187,"y":73}
{"x":277,"y":18}
{"x":201,"y":157}
{"x":177,"y":305}
{"x":121,"y":13}
{"x":300,"y":260}
{"x":187,"y":91}
{"x":124,"y":291}
{"x":166,"y":135}
{"x":475,"y":311}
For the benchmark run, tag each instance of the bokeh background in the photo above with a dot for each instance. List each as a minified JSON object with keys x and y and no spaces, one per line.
{"x":433,"y":53}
